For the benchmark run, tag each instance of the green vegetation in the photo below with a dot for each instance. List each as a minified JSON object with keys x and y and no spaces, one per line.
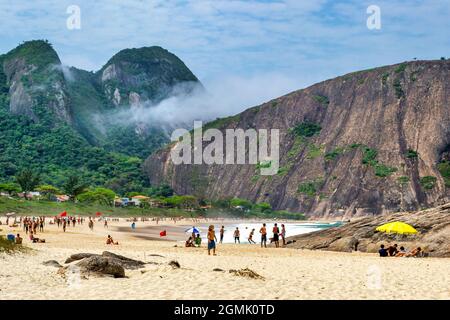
{"x":384,"y":78}
{"x":306,"y":129}
{"x":314,"y":151}
{"x":7,"y":246}
{"x":403,"y":180}
{"x":323,"y":100}
{"x":411,"y":154}
{"x":444,"y":169}
{"x":382,"y":170}
{"x":27,"y":181}
{"x":296,"y":147}
{"x":369,"y":156}
{"x":221,"y":122}
{"x":428,"y":182}
{"x":310,"y":188}
{"x":401,"y":68}
{"x":329,"y":156}
{"x":98,"y":195}
{"x":398,"y":89}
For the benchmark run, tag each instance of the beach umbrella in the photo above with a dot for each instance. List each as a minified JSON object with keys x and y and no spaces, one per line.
{"x":396,"y":227}
{"x":192,"y":230}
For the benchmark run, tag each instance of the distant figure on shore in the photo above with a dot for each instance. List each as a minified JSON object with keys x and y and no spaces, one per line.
{"x":189,"y":242}
{"x":34,"y":239}
{"x":222,"y":231}
{"x":236,"y":235}
{"x":211,"y":240}
{"x":18,"y":239}
{"x":283,"y":234}
{"x":383,"y":252}
{"x":263,"y":232}
{"x":105,"y":225}
{"x":415,"y":252}
{"x":110,"y":240}
{"x":91,"y":224}
{"x":64,"y":225}
{"x":133,"y":225}
{"x":250,"y":236}
{"x":402,"y":252}
{"x":276,"y":237}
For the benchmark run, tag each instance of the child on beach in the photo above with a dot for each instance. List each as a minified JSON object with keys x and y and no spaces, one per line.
{"x":211,"y":240}
{"x":237,"y":234}
{"x":250,"y":237}
{"x":263,"y":232}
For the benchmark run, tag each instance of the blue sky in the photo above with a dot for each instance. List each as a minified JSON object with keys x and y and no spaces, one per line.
{"x":278,"y":46}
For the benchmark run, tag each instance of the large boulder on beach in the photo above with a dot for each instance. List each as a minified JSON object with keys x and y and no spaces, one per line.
{"x":101,"y":265}
{"x":78,"y":256}
{"x":125,"y":262}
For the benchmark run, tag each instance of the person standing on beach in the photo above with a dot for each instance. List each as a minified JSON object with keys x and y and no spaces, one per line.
{"x":263,"y":232}
{"x":222,"y":231}
{"x":283,"y":234}
{"x":237,"y":234}
{"x":276,"y":237}
{"x":105,"y":225}
{"x":211,"y":240}
{"x":64,"y":225}
{"x":250,"y":237}
{"x":91,"y":224}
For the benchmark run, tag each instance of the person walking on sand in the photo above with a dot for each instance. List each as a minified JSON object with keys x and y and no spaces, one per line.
{"x":237,"y":234}
{"x":283,"y":234}
{"x":263,"y":232}
{"x":222,"y":231}
{"x":64,"y":225}
{"x":105,"y":225}
{"x":211,"y":240}
{"x":250,"y":237}
{"x":91,"y":224}
{"x":276,"y":237}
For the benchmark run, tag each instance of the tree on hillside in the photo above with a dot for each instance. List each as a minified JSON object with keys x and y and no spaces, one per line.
{"x":10,"y":188}
{"x":48,"y":191}
{"x":73,"y":187}
{"x":27,"y":181}
{"x":99,"y":195}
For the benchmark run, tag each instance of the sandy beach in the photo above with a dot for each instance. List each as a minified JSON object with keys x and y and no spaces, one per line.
{"x":288,"y":273}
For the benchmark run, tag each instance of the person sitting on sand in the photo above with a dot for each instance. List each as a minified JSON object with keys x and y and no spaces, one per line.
{"x":392,"y":250}
{"x":415,"y":252}
{"x":110,"y":240}
{"x":189,"y":242}
{"x":198,"y":240}
{"x":18,"y":239}
{"x":383,"y":252}
{"x":402,"y":252}
{"x":211,"y":240}
{"x":34,"y":239}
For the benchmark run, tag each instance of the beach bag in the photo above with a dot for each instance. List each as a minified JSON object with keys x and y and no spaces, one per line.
{"x":11,"y":237}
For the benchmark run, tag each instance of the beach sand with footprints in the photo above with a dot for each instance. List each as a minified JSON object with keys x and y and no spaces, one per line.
{"x":285,"y":273}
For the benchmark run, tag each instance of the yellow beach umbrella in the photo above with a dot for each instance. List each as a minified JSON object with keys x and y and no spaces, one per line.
{"x":397,"y":227}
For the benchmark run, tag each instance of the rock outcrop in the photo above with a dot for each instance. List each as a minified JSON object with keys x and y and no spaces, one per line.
{"x":432,"y":224}
{"x":365,"y":143}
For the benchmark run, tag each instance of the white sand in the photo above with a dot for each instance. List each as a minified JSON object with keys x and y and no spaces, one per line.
{"x":289,"y":273}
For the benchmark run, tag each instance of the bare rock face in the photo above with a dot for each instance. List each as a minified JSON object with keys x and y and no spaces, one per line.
{"x":361,"y":144}
{"x":433,"y":226}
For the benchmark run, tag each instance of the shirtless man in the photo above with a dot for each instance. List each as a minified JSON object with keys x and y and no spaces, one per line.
{"x":263,"y":232}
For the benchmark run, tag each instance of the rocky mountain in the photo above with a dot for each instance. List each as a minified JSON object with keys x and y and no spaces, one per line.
{"x":58,"y":119}
{"x":364,"y":143}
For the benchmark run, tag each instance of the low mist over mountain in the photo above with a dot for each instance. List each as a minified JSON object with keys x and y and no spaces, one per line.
{"x":59,"y":120}
{"x":364,"y":143}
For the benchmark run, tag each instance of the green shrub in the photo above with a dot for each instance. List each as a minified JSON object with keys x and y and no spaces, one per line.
{"x":306,"y":129}
{"x":369,"y":156}
{"x":403,"y":180}
{"x":323,"y":100}
{"x":262,"y":207}
{"x":411,"y":154}
{"x":309,"y":188}
{"x":384,"y":78}
{"x":314,"y":151}
{"x":401,"y":68}
{"x":444,"y":169}
{"x":7,"y":246}
{"x":382,"y":170}
{"x":398,"y":89}
{"x":334,"y":153}
{"x":428,"y":182}
{"x":237,"y":202}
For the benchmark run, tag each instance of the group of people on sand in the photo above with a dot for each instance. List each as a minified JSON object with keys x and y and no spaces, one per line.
{"x":394,"y":251}
{"x":212,"y":239}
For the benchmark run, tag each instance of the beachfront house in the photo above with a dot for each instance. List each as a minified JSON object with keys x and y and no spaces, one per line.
{"x":139,"y":200}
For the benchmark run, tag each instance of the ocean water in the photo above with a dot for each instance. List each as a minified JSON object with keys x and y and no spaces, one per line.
{"x":292,"y":229}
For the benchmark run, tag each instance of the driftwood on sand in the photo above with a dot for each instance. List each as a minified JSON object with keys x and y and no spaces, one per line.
{"x":247,"y":273}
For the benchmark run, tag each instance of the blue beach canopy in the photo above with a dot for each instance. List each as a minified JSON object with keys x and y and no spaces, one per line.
{"x":193,"y":230}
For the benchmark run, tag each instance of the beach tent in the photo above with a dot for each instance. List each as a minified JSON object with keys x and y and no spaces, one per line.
{"x":397,"y":227}
{"x":193,"y":230}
